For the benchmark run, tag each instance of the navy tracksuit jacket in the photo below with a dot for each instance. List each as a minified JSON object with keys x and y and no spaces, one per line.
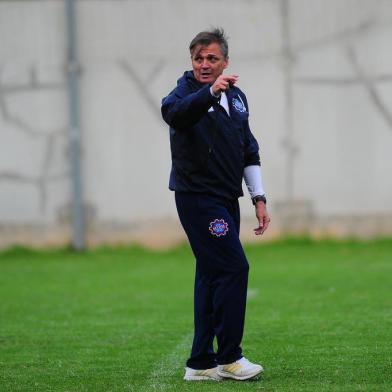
{"x":210,"y":150}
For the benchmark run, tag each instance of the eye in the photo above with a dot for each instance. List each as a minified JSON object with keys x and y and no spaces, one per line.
{"x":212,"y":59}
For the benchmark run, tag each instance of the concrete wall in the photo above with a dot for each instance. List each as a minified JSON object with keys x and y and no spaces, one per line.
{"x":318,"y":76}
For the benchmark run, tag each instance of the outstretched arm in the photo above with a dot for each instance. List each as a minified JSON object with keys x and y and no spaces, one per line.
{"x":180,"y":109}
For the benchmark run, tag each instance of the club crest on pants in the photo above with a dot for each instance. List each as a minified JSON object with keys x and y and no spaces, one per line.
{"x":219,"y":227}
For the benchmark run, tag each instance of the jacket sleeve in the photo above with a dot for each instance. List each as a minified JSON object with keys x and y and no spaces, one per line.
{"x":180,"y":110}
{"x":252,"y":156}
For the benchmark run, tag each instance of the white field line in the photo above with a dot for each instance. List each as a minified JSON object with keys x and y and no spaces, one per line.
{"x":252,"y":293}
{"x":159,"y":378}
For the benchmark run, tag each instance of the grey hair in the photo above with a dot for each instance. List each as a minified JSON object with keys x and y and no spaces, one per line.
{"x":206,"y":38}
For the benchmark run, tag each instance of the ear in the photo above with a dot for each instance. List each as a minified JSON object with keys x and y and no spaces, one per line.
{"x":226,"y":62}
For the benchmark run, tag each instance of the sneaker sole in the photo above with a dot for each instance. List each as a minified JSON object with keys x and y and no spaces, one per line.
{"x":201,"y":378}
{"x":240,"y":378}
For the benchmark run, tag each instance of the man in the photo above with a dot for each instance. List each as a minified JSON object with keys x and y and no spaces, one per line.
{"x":212,"y":150}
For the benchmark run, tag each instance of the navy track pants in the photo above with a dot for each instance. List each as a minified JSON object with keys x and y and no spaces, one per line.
{"x":212,"y":225}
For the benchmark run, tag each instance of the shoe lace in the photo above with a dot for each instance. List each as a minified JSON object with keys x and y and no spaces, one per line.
{"x":244,"y":361}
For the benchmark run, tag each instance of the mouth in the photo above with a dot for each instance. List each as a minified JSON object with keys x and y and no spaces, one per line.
{"x":205,"y":74}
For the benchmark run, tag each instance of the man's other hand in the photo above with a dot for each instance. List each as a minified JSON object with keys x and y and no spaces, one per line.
{"x":262,"y":217}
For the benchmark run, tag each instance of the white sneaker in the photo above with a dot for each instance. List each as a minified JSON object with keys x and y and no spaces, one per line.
{"x":203,"y":374}
{"x":240,"y":370}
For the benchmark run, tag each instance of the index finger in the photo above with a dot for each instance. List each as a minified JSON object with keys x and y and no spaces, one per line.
{"x":232,"y":77}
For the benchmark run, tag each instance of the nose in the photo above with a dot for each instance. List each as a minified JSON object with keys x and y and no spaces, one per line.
{"x":205,"y":63}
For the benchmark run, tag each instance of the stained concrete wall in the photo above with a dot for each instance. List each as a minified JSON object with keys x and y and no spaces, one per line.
{"x":318,"y":76}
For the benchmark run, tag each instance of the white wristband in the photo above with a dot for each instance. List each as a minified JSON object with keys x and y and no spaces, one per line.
{"x":254,"y":180}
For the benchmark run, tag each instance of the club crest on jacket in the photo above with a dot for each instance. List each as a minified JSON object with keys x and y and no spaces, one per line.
{"x":238,"y":104}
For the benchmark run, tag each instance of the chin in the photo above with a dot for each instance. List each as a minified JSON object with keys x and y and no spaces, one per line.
{"x":206,"y":80}
{"x":209,"y":80}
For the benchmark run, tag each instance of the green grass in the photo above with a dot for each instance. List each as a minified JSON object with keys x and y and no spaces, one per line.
{"x":319,"y":318}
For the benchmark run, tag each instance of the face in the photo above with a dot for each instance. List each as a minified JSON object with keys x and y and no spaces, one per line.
{"x":208,"y":62}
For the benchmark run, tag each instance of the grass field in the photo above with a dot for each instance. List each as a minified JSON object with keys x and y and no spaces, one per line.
{"x":319,"y":318}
